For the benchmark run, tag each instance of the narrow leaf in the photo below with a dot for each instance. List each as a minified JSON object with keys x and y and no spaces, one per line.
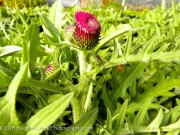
{"x":122,"y":113}
{"x":109,"y":120}
{"x":8,"y":114}
{"x":32,"y":41}
{"x":157,"y":121}
{"x":128,"y":44}
{"x":172,"y":127}
{"x":139,"y":119}
{"x":48,"y":115}
{"x":50,"y":29}
{"x":9,"y":50}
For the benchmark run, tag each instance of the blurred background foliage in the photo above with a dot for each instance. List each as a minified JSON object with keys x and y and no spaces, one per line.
{"x":33,"y":3}
{"x":22,"y":3}
{"x":83,"y":3}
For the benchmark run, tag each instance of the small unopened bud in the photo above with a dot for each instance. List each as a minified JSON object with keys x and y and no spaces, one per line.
{"x":70,"y":32}
{"x":50,"y":69}
{"x":96,"y":60}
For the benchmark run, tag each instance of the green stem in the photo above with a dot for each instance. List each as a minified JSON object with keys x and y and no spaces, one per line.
{"x":79,"y":98}
{"x":77,"y":109}
{"x":82,"y":62}
{"x":56,"y":56}
{"x":83,"y":82}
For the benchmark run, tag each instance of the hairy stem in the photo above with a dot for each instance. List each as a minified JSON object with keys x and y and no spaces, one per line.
{"x":77,"y":108}
{"x":79,"y":99}
{"x":83,"y":81}
{"x":82,"y":62}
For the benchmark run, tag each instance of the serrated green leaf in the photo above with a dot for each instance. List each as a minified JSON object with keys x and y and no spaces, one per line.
{"x":160,"y":89}
{"x":84,"y":125}
{"x":127,"y":80}
{"x":56,"y":14}
{"x":150,"y":45}
{"x":48,"y":115}
{"x":162,"y":57}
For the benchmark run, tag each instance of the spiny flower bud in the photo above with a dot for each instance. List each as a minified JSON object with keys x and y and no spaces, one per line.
{"x":87,"y":30}
{"x":50,"y":69}
{"x":96,"y":60}
{"x":70,"y":32}
{"x":52,"y":73}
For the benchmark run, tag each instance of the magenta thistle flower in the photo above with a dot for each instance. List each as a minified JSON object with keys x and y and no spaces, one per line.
{"x":87,"y":30}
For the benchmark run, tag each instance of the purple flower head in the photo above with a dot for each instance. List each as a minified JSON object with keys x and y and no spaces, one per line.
{"x":86,"y":32}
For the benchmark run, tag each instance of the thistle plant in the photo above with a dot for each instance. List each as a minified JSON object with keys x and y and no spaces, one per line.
{"x":84,"y":35}
{"x":87,"y":30}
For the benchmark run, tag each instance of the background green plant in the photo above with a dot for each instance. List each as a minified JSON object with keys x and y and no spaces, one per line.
{"x":144,"y":98}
